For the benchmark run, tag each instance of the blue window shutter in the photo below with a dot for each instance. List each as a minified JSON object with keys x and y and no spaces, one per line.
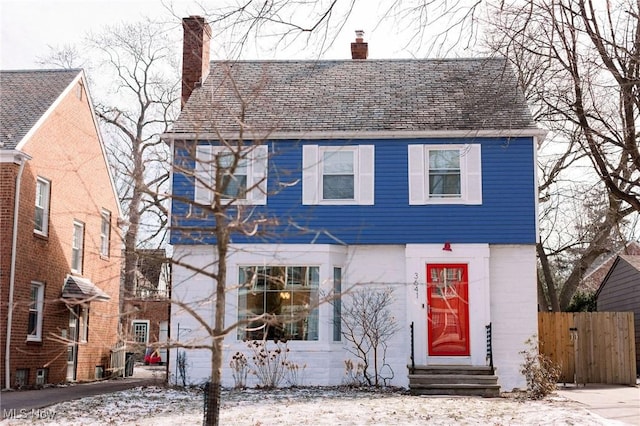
{"x":258,"y":174}
{"x":366,"y":160}
{"x":203,"y":175}
{"x":416,"y":175}
{"x":310,"y":174}
{"x":473,"y":174}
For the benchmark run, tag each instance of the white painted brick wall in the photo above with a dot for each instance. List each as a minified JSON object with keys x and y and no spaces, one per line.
{"x":513,"y":309}
{"x":504,"y":273}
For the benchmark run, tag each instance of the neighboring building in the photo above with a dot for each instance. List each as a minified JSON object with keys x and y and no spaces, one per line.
{"x":149,"y":308}
{"x":620,"y":292}
{"x":413,"y":175}
{"x":595,"y":274}
{"x":60,"y":260}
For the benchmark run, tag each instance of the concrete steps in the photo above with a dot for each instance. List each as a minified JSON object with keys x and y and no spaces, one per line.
{"x":460,"y":380}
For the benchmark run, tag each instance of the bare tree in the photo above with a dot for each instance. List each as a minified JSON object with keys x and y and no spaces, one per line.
{"x":66,"y":56}
{"x":429,"y":26}
{"x":571,"y":57}
{"x":367,"y":324}
{"x":214,"y":172}
{"x":138,"y":67}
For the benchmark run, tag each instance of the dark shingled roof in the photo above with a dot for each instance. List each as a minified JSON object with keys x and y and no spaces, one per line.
{"x":357,"y":96}
{"x":24,"y":97}
{"x":82,"y":289}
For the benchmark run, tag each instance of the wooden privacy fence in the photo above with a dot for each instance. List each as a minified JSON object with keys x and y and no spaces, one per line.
{"x":590,"y":347}
{"x":117,"y":365}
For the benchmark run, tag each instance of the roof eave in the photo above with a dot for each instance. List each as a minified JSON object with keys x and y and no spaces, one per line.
{"x":383,"y":134}
{"x":13,"y":156}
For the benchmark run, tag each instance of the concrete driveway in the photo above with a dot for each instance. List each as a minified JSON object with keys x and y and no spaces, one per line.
{"x":614,"y":402}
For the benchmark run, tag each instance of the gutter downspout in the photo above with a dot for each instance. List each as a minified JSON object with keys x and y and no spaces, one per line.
{"x":22,"y":158}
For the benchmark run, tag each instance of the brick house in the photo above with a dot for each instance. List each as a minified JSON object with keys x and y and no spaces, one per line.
{"x":59,"y":262}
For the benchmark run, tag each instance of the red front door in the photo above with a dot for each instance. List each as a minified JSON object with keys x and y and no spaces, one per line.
{"x":448,"y":309}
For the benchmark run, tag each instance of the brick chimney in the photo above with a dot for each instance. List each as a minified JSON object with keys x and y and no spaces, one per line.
{"x":195,"y":54}
{"x":359,"y":49}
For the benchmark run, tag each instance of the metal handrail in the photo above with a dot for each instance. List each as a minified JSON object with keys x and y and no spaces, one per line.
{"x":488,"y":329}
{"x":413,"y":359}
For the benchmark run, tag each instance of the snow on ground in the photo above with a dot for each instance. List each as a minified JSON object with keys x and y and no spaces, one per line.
{"x":157,"y":406}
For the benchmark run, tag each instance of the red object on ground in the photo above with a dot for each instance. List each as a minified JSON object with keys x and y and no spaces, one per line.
{"x":152,"y":357}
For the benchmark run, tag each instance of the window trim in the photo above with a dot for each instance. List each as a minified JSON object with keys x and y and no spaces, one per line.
{"x":80,"y":250}
{"x":470,"y":174}
{"x":105,"y":235}
{"x":40,"y":181}
{"x":312,"y":174}
{"x":147,"y":331}
{"x":256,"y":157}
{"x":39,"y":311}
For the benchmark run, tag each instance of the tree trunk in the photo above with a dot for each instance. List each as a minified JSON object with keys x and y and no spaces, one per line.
{"x":212,"y":412}
{"x":548,"y":278}
{"x":543,"y":305}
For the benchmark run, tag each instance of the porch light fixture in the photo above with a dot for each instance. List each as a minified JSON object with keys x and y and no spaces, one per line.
{"x":447,"y":247}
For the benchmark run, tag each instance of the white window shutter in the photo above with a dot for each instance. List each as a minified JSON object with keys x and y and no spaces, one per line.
{"x":416,"y":175}
{"x":473,"y":174}
{"x":310,"y":174}
{"x":258,"y":174}
{"x":203,"y":175}
{"x":366,"y":160}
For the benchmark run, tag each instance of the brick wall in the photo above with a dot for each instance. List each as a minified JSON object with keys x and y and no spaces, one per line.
{"x":155,"y":311}
{"x":8,"y":173}
{"x":195,"y":54}
{"x":65,"y":150}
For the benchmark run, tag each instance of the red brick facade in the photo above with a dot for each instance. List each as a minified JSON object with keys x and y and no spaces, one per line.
{"x":153,"y":310}
{"x":195,"y":57}
{"x":66,"y":150}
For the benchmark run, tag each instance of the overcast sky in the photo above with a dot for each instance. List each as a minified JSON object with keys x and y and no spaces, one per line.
{"x":28,"y":27}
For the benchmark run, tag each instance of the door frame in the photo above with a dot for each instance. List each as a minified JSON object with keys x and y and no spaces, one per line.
{"x":72,"y":343}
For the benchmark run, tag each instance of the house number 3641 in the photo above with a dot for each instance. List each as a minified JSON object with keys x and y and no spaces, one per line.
{"x":415,"y":284}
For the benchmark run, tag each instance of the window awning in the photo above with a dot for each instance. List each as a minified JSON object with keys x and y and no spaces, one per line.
{"x":82,"y":289}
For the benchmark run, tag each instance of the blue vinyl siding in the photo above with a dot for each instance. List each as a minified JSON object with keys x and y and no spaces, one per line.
{"x":507,"y":213}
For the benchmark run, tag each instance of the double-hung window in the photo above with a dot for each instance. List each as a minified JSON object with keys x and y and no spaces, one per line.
{"x":243,"y":174}
{"x":234,"y":176}
{"x":36,"y":307}
{"x":278,"y":302}
{"x":337,"y":304}
{"x":105,"y":233}
{"x":77,"y":247}
{"x":445,"y":174}
{"x":41,"y":219}
{"x":338,"y":174}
